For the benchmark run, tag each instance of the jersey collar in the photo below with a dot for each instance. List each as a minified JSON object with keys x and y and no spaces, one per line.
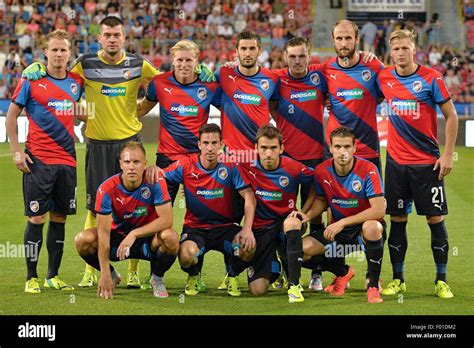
{"x":99,"y":54}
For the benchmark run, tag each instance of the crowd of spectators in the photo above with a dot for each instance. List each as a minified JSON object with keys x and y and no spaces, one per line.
{"x":153,"y":26}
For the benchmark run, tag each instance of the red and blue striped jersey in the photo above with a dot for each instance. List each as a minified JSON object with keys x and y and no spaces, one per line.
{"x":50,"y":106}
{"x":412,"y":127}
{"x":276,"y":190}
{"x":348,"y":195}
{"x":353,"y":94}
{"x":245,"y":105}
{"x":130,"y":209}
{"x":208,"y":192}
{"x":300,"y":113}
{"x":184,"y":108}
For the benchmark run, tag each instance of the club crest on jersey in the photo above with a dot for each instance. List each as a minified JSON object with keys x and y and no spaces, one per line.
{"x":284,"y":181}
{"x":264,"y":85}
{"x":73,"y":88}
{"x":366,"y":75}
{"x":417,"y":85}
{"x":145,"y":192}
{"x":315,"y":79}
{"x":223,"y":173}
{"x":356,"y":185}
{"x":127,"y":74}
{"x":201,"y":93}
{"x":34,"y":206}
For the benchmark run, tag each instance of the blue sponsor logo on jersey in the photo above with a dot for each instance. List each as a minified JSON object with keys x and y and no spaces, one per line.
{"x":113,"y":91}
{"x":244,"y":98}
{"x":303,"y":96}
{"x":404,"y":105}
{"x":350,"y":94}
{"x":140,"y":211}
{"x":210,"y":194}
{"x":183,"y":110}
{"x":269,"y":195}
{"x":346,"y":203}
{"x":60,"y":105}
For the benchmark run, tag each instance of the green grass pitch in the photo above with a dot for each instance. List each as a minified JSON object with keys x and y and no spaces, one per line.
{"x":419,"y":267}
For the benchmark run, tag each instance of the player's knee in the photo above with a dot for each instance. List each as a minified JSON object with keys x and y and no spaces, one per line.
{"x":434,"y":219}
{"x":85,"y":242}
{"x":37,"y":220}
{"x":187,"y":254}
{"x":258,"y":289}
{"x":291,"y":224}
{"x":372,"y":230}
{"x":170,"y":240}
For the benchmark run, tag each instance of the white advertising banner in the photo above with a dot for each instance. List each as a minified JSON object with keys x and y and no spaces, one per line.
{"x":386,"y":5}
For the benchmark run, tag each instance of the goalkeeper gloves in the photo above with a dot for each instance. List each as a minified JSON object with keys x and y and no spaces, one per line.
{"x":34,"y":71}
{"x":205,"y":74}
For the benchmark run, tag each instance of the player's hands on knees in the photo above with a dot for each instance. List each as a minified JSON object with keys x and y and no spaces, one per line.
{"x":332,"y":230}
{"x":106,"y":286}
{"x":445,"y":165}
{"x":246,"y":239}
{"x":123,"y":250}
{"x":299,"y":215}
{"x":34,"y":71}
{"x":21,"y":160}
{"x":153,"y":174}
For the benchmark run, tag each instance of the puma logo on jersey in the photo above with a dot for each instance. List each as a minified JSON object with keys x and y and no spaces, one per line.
{"x":100,"y":191}
{"x":232,"y":77}
{"x":195,"y":175}
{"x":284,"y":80}
{"x":440,"y":248}
{"x":373,"y":172}
{"x":44,"y":86}
{"x":390,"y":84}
{"x":333,"y":76}
{"x":328,"y":182}
{"x":254,"y":175}
{"x":119,"y":199}
{"x":439,"y":78}
{"x":168,"y":90}
{"x":438,"y":206}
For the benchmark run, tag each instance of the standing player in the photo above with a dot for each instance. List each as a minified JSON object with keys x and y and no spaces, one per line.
{"x":353,"y":91}
{"x":49,"y":161}
{"x":184,"y":107}
{"x":414,"y":169}
{"x":275,"y":180}
{"x":135,"y":220}
{"x":246,"y":93}
{"x":208,"y":225}
{"x":299,"y":115}
{"x":352,"y":188}
{"x":112,"y":79}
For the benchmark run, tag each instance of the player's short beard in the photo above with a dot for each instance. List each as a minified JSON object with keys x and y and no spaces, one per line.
{"x":247,"y":66}
{"x":349,"y":55}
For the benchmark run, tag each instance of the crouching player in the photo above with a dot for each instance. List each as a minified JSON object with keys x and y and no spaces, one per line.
{"x":208,"y":185}
{"x":352,"y":188}
{"x":275,"y":180}
{"x":134,"y":221}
